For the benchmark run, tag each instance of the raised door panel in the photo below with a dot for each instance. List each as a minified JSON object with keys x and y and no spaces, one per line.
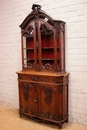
{"x":28,"y":98}
{"x":48,"y":101}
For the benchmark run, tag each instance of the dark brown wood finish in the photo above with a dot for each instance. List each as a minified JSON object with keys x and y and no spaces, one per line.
{"x":43,"y":82}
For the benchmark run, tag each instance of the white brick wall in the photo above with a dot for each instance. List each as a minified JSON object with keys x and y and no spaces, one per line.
{"x":74,"y":13}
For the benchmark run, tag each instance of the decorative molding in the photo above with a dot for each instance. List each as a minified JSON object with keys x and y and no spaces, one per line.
{"x":45,"y":30}
{"x":60,"y":89}
{"x":19,"y":77}
{"x":29,"y":32}
{"x":26,"y":91}
{"x":47,"y":66}
{"x":30,"y":66}
{"x":36,"y":7}
{"x":57,"y":27}
{"x":36,"y":78}
{"x":60,"y":117}
{"x":48,"y":95}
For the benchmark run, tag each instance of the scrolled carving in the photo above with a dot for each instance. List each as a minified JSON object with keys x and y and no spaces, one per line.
{"x":60,"y":89}
{"x":29,"y":32}
{"x":65,"y":79}
{"x":37,"y":67}
{"x":36,"y":78}
{"x":45,"y":30}
{"x":60,"y":117}
{"x":26,"y":87}
{"x":48,"y":95}
{"x":48,"y":115}
{"x":26,"y":91}
{"x":47,"y":66}
{"x":30,"y":66}
{"x":57,"y":68}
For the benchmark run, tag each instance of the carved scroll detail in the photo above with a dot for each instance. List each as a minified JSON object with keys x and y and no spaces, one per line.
{"x":29,"y":32}
{"x":60,"y":89}
{"x":47,"y":66}
{"x":48,"y":95}
{"x":60,"y":117}
{"x":26,"y":90}
{"x":45,"y":30}
{"x":36,"y":78}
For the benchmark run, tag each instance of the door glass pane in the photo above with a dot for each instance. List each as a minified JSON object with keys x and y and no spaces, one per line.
{"x":47,"y":47}
{"x":28,"y":48}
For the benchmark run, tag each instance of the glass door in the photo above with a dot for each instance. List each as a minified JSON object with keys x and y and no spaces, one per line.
{"x":29,"y":51}
{"x":47,"y":47}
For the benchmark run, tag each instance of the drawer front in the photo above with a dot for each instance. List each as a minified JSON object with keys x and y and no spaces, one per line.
{"x":45,"y":79}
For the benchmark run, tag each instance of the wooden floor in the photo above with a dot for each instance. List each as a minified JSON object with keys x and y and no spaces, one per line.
{"x":10,"y":120}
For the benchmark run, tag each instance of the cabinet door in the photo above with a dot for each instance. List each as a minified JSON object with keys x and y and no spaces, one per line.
{"x":47,"y":47}
{"x":28,"y":98}
{"x":48,"y":102}
{"x":29,"y":47}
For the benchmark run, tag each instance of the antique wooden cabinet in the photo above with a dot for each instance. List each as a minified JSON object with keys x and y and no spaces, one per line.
{"x":43,"y":81}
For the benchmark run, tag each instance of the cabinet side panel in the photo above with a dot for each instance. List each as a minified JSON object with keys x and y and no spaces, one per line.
{"x":60,"y":100}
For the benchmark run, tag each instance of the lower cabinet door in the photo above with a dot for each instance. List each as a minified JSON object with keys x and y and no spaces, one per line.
{"x":28,"y":98}
{"x":48,"y":102}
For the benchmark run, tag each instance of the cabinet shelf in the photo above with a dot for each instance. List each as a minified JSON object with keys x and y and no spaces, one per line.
{"x":28,"y":59}
{"x":47,"y":47}
{"x":29,"y":48}
{"x":48,"y":59}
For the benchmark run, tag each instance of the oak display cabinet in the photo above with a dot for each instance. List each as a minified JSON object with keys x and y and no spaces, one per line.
{"x":43,"y":81}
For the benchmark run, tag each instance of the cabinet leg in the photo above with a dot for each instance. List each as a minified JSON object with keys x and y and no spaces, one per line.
{"x":66,"y":120}
{"x":20,"y":114}
{"x":60,"y":125}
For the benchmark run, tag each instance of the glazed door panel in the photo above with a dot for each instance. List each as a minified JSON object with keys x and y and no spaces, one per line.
{"x":28,"y":98}
{"x":48,"y":101}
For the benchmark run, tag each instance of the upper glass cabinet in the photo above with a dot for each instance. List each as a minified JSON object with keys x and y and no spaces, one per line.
{"x":43,"y":42}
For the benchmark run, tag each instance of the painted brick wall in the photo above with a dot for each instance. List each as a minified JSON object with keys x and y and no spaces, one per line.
{"x":74,"y":13}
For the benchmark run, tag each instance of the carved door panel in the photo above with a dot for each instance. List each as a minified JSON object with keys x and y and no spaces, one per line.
{"x":48,"y":101}
{"x":28,"y":98}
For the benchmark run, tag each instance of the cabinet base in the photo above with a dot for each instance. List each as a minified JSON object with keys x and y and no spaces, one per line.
{"x":59,"y":123}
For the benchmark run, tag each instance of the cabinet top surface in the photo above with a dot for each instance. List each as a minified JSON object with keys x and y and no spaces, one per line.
{"x":42,"y":73}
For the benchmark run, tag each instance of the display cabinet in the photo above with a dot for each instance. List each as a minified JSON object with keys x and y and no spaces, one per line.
{"x":43,"y":81}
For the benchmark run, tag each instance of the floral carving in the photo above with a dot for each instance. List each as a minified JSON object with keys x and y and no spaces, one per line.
{"x":47,"y":66}
{"x":48,"y":95}
{"x":45,"y":30}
